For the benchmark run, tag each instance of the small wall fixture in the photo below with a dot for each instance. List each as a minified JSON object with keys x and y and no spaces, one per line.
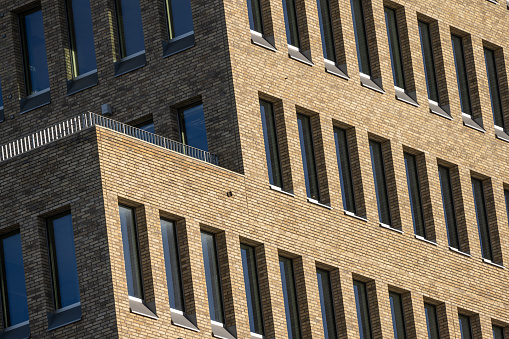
{"x":229,"y":194}
{"x":106,"y":109}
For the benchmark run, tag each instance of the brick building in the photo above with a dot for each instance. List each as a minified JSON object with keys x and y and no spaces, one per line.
{"x":254,"y":169}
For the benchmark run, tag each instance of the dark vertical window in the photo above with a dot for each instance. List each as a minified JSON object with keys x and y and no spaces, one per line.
{"x":180,"y":18}
{"x":465,"y":327}
{"x":461,"y":74}
{"x":130,"y":28}
{"x":428,"y":59}
{"x":382,"y":196}
{"x":414,"y":192}
{"x":12,"y":281}
{"x":192,"y":127}
{"x":324,"y":16}
{"x":494,"y":86}
{"x":327,"y":304}
{"x":254,"y":10}
{"x":271,"y":145}
{"x":254,"y":303}
{"x":35,"y":61}
{"x":172,"y":265}
{"x":398,"y":317}
{"x":449,"y":207}
{"x":506,"y":196}
{"x":482,"y":219}
{"x":361,"y":38}
{"x":131,"y":252}
{"x":81,"y":37}
{"x":291,"y":23}
{"x":345,"y":170}
{"x":498,"y":332}
{"x":361,"y":303}
{"x":391,"y":24}
{"x":290,"y":298}
{"x":308,"y":156}
{"x":212,"y":277}
{"x":64,"y":270}
{"x":431,"y":321}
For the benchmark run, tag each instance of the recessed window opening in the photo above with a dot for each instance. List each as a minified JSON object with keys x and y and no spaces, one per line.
{"x":361,"y":38}
{"x":291,"y":23}
{"x":271,"y":144}
{"x":398,"y":317}
{"x":290,"y":298}
{"x":449,"y":207}
{"x":345,"y":170}
{"x":212,"y":277}
{"x":431,"y":321}
{"x":361,"y":304}
{"x":254,"y":10}
{"x":461,"y":74}
{"x":308,"y":157}
{"x":254,"y":303}
{"x":379,"y":177}
{"x":414,"y":193}
{"x":391,"y":23}
{"x":327,"y":304}
{"x":429,"y":62}
{"x":179,"y":18}
{"x":172,"y":265}
{"x":324,"y":16}
{"x":465,"y":327}
{"x":494,"y":87}
{"x":192,"y":127}
{"x":130,"y":28}
{"x":482,"y":219}
{"x":81,"y":37}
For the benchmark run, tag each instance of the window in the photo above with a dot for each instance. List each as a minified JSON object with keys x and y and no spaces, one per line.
{"x":482,"y":219}
{"x":449,"y":207}
{"x":398,"y":317}
{"x":345,"y":170}
{"x":428,"y":59}
{"x":394,"y":48}
{"x":327,"y":304}
{"x":172,"y":264}
{"x":382,"y":196}
{"x":180,"y":18}
{"x":192,"y":127}
{"x":34,"y":52}
{"x":14,"y":294}
{"x":324,"y":16}
{"x":361,"y":303}
{"x":465,"y":328}
{"x":147,"y":126}
{"x":494,"y":86}
{"x":308,"y":157}
{"x":414,"y":192}
{"x":254,"y":303}
{"x":431,"y":321}
{"x":506,"y":196}
{"x":291,"y":24}
{"x":290,"y":298}
{"x":461,"y":74}
{"x":131,"y":253}
{"x":271,"y":144}
{"x":254,"y":10}
{"x":130,"y":28}
{"x":361,"y":39}
{"x":498,"y":332}
{"x":212,"y":277}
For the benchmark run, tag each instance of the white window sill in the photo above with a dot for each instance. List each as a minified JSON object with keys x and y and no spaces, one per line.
{"x":299,"y":55}
{"x":459,"y":252}
{"x":139,"y":307}
{"x":406,"y":97}
{"x":374,"y":84}
{"x":278,"y":189}
{"x":492,"y":263}
{"x":338,"y":70}
{"x":390,"y":228}
{"x":353,"y":215}
{"x":425,"y":240}
{"x":501,"y":134}
{"x":219,"y":331}
{"x":178,"y":318}
{"x":472,"y":123}
{"x":442,"y":111}
{"x":316,"y":202}
{"x":256,"y":336}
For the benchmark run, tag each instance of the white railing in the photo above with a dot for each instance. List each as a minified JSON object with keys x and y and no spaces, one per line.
{"x":83,"y":121}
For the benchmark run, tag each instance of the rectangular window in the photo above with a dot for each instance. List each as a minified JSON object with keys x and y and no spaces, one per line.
{"x":494,"y":86}
{"x":254,"y":303}
{"x":414,"y":192}
{"x":192,"y":127}
{"x":498,"y":332}
{"x":449,"y":207}
{"x":131,"y":252}
{"x":482,"y":219}
{"x":63,"y":266}
{"x":382,"y":196}
{"x":172,"y":265}
{"x":179,"y":17}
{"x":361,"y":303}
{"x":361,"y":38}
{"x":308,"y":157}
{"x":12,"y":281}
{"x":290,"y":298}
{"x":254,"y":10}
{"x":212,"y":277}
{"x":324,"y":16}
{"x":33,"y":44}
{"x":428,"y":59}
{"x":271,"y":144}
{"x":398,"y":317}
{"x":291,"y":23}
{"x":345,"y":170}
{"x":81,"y":37}
{"x":391,"y":24}
{"x":327,"y":304}
{"x":461,"y":74}
{"x":147,"y":126}
{"x":506,"y":196}
{"x":465,"y":327}
{"x":431,"y":321}
{"x":130,"y":28}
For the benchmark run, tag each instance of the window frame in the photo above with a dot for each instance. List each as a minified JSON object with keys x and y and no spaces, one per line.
{"x":482,"y":204}
{"x":468,"y":98}
{"x":394,"y":315}
{"x":435,"y":313}
{"x":179,"y":263}
{"x":266,"y":139}
{"x":305,"y":168}
{"x":461,"y":318}
{"x":497,"y":89}
{"x":288,"y":28}
{"x":330,"y":29}
{"x":384,"y":175}
{"x":182,"y":124}
{"x":453,"y":209}
{"x":342,"y":181}
{"x":294,"y":283}
{"x":418,"y":194}
{"x":257,"y":287}
{"x":369,"y":72}
{"x":324,"y":308}
{"x":216,"y":253}
{"x":400,"y":50}
{"x":432,"y":61}
{"x":362,"y":335}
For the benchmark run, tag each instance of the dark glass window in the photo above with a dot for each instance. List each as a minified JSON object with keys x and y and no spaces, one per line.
{"x":192,"y":127}
{"x":254,"y":10}
{"x":327,"y":304}
{"x":361,"y":38}
{"x":449,"y":208}
{"x":428,"y":59}
{"x":465,"y":328}
{"x":130,"y":27}
{"x":498,"y":332}
{"x":482,"y":219}
{"x":324,"y":16}
{"x":212,"y":277}
{"x":431,"y":321}
{"x":81,"y":36}
{"x":172,"y":264}
{"x":398,"y":317}
{"x":345,"y":170}
{"x":291,"y":25}
{"x":290,"y":297}
{"x":254,"y":303}
{"x":496,"y":102}
{"x":64,"y":270}
{"x":391,"y":23}
{"x":382,"y":196}
{"x":461,"y":74}
{"x":180,"y":18}
{"x":131,"y":252}
{"x":361,"y":303}
{"x":147,"y":126}
{"x":414,"y":192}
{"x":506,"y":195}
{"x":1,"y":102}
{"x":35,"y":61}
{"x":308,"y":156}
{"x":271,"y":145}
{"x":12,"y":280}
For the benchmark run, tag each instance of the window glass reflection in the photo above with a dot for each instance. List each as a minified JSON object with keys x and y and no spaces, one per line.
{"x":130,"y":28}
{"x":192,"y":127}
{"x":180,"y":18}
{"x":81,"y":36}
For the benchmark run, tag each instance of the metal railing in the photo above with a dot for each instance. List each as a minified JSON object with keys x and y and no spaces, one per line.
{"x":83,"y":121}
